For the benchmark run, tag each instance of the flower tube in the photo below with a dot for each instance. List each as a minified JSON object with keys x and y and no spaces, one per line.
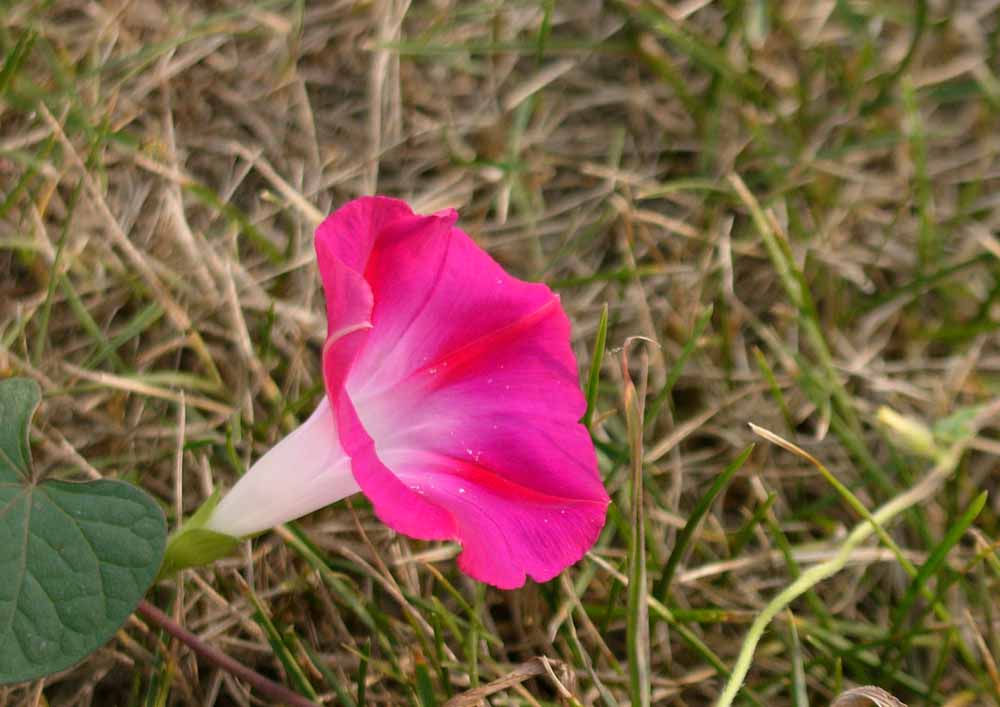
{"x":452,"y":402}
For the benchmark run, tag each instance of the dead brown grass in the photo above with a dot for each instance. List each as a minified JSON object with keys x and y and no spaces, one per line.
{"x":163,"y":165}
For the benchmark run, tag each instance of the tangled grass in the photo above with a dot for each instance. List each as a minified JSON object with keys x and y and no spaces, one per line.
{"x":793,"y":204}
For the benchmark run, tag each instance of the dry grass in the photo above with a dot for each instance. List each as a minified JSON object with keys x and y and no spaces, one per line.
{"x":162,"y":166}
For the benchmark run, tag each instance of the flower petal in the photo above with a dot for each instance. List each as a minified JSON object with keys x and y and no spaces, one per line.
{"x":464,"y":386}
{"x":507,"y":530}
{"x":345,"y":247}
{"x":305,"y":471}
{"x":509,"y":402}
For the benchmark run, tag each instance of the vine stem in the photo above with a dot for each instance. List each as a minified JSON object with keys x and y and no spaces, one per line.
{"x":808,"y":579}
{"x":278,"y":693}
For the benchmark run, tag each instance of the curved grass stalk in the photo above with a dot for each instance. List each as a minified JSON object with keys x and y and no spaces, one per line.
{"x":947,"y":461}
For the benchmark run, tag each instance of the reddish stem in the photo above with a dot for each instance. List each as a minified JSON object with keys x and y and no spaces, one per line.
{"x":278,"y":693}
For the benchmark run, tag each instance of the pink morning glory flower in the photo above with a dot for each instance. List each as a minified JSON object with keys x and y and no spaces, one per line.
{"x":452,"y":402}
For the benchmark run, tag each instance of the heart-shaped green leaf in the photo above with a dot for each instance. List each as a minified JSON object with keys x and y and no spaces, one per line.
{"x":75,"y":558}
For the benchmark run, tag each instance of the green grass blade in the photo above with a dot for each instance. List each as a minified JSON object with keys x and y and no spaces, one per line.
{"x":15,"y":59}
{"x":331,"y":680}
{"x":662,"y":585}
{"x":424,"y":685}
{"x":637,"y":631}
{"x":678,"y":367}
{"x":743,"y":535}
{"x":366,"y":654}
{"x":772,"y":382}
{"x":281,"y":650}
{"x":935,"y":561}
{"x":594,"y":376}
{"x":799,"y":696}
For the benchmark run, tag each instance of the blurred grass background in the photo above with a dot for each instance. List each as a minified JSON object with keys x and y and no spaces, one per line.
{"x":794,"y":202}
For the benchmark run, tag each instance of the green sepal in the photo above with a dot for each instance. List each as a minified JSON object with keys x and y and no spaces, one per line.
{"x":193,"y":545}
{"x":194,"y":548}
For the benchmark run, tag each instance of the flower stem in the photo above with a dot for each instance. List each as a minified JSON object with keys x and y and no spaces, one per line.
{"x":278,"y":693}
